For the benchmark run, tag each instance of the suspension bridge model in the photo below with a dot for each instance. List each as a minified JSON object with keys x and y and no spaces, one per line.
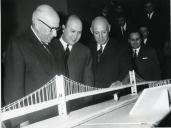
{"x":61,"y":89}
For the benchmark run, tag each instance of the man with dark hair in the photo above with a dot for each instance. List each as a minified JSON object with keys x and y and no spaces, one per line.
{"x":122,"y":28}
{"x":144,"y":59}
{"x":145,"y":35}
{"x":156,"y":23}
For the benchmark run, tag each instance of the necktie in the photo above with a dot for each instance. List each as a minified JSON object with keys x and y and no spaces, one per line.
{"x":134,"y":59}
{"x":46,"y":46}
{"x":67,"y":52}
{"x":66,"y":55}
{"x":135,"y":54}
{"x":99,"y":53}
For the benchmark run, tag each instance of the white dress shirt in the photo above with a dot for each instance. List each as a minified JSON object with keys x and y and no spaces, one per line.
{"x":137,"y":51}
{"x":145,"y":41}
{"x":103,"y":46}
{"x":64,"y":44}
{"x":150,"y":15}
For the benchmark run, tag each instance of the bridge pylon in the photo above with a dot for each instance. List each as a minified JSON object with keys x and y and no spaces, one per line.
{"x":133,"y":82}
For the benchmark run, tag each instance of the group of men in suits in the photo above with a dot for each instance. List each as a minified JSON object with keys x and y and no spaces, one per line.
{"x":157,"y":26}
{"x":121,"y":28}
{"x":33,"y":58}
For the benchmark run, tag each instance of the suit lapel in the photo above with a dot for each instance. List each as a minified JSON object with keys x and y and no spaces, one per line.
{"x":37,"y":45}
{"x":140,"y":54}
{"x":73,"y":52}
{"x":45,"y":59}
{"x":107,"y":48}
{"x":60,"y":46}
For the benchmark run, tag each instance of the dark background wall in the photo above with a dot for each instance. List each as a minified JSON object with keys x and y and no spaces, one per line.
{"x":16,"y":14}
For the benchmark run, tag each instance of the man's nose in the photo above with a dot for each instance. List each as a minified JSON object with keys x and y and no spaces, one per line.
{"x":100,"y":35}
{"x":54,"y":33}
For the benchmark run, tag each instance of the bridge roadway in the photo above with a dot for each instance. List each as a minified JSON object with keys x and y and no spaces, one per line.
{"x":108,"y":114}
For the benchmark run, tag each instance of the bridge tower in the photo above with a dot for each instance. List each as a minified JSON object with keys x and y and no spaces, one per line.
{"x":133,"y":82}
{"x":60,"y":89}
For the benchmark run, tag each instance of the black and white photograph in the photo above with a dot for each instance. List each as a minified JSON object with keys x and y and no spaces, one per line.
{"x":85,"y":64}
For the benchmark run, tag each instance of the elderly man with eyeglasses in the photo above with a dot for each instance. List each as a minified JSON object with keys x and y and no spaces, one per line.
{"x":29,"y":62}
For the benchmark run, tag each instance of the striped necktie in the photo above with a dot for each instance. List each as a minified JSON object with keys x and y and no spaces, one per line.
{"x":66,"y":55}
{"x":46,"y":46}
{"x":99,"y":53}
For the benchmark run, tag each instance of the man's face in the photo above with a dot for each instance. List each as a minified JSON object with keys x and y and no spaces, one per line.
{"x":144,"y":31}
{"x":121,"y":21}
{"x":149,"y":7}
{"x":72,"y":32}
{"x":135,"y":40}
{"x":101,"y":33}
{"x":49,"y":30}
{"x":104,"y":11}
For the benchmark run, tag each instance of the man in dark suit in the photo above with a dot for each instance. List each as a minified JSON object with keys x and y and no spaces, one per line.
{"x":145,"y":36}
{"x":155,"y":21}
{"x":79,"y":61}
{"x":144,"y":59}
{"x":122,"y":27}
{"x":29,"y":63}
{"x":109,"y":64}
{"x":75,"y":56}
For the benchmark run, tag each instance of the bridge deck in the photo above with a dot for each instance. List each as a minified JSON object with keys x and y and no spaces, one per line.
{"x":103,"y":115}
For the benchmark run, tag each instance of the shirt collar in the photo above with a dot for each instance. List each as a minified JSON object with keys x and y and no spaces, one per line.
{"x":103,"y":46}
{"x":145,"y":41}
{"x":64,"y":44}
{"x":124,"y":26}
{"x":137,"y":50}
{"x":151,"y":14}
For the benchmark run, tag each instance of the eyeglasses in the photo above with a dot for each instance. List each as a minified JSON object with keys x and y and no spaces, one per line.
{"x":51,"y":28}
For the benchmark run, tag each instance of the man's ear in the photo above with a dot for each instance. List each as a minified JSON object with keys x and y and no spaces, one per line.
{"x":91,"y":30}
{"x":109,"y":27}
{"x":129,"y":41}
{"x":63,"y":28}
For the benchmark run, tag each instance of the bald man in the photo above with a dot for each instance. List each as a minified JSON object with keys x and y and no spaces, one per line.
{"x":29,"y":63}
{"x":109,"y":62}
{"x":79,"y":61}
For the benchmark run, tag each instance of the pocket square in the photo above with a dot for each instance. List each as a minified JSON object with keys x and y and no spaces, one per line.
{"x":144,"y":58}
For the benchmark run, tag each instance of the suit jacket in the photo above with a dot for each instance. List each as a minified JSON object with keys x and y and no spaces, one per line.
{"x":148,"y":43}
{"x":79,"y":61}
{"x":147,"y":64}
{"x":113,"y":63}
{"x":28,"y":66}
{"x":156,"y":28}
{"x":117,"y":33}
{"x":79,"y":68}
